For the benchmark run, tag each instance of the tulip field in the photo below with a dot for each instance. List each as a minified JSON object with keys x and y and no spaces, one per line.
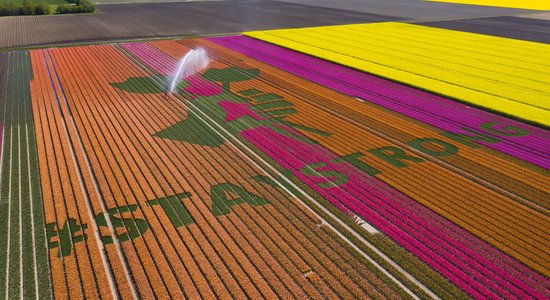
{"x":272,"y":173}
{"x":532,"y":4}
{"x":473,"y":68}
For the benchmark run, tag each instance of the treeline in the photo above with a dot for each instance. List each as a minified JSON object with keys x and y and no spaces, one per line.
{"x":77,"y":7}
{"x":28,"y":7}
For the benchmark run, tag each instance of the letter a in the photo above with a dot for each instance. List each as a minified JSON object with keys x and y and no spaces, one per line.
{"x":221,"y":204}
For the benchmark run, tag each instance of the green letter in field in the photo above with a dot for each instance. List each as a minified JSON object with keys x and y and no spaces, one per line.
{"x":331,"y":177}
{"x":504,"y":130}
{"x":135,"y":227}
{"x":145,"y":85}
{"x":174,"y":209}
{"x":234,"y":113}
{"x":66,"y":237}
{"x":394,"y":156}
{"x":226,"y":195}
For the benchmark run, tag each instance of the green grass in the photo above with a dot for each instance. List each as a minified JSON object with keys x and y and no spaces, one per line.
{"x":51,"y":2}
{"x":20,"y":181}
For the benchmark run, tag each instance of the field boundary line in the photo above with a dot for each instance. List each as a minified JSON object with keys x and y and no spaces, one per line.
{"x":31,"y":199}
{"x":9,"y":214}
{"x":2,"y":148}
{"x":89,"y":207}
{"x":20,"y":202}
{"x":32,"y":217}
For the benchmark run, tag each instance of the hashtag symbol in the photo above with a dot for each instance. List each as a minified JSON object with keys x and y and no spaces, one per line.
{"x":65,"y":238}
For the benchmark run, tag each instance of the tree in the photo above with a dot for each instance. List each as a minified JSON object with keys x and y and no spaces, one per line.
{"x":42,"y":9}
{"x":82,"y":6}
{"x":8,"y":8}
{"x":27,"y":8}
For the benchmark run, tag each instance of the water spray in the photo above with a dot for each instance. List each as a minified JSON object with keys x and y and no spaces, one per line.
{"x":193,"y":61}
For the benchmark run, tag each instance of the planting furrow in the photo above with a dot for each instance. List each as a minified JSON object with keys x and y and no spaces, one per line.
{"x":112,"y":256}
{"x":159,"y":173}
{"x":35,"y":243}
{"x":56,"y":210}
{"x":41,"y":93}
{"x":72,"y":192}
{"x":4,"y":79}
{"x":4,"y":160}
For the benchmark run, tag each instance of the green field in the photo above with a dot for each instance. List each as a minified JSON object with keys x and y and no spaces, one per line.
{"x":53,"y":2}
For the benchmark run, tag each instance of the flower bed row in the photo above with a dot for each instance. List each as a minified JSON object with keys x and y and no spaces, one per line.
{"x":314,"y":115}
{"x":439,"y":112}
{"x":534,"y":4}
{"x":253,"y":251}
{"x":491,"y":87}
{"x":277,"y":248}
{"x":172,"y":62}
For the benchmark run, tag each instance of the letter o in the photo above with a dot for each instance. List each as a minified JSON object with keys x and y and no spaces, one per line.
{"x":448,"y":149}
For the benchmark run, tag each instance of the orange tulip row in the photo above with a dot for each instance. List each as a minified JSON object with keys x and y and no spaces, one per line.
{"x":221,"y":167}
{"x":177,"y":51}
{"x":266,"y":251}
{"x":145,"y":257}
{"x":58,"y":181}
